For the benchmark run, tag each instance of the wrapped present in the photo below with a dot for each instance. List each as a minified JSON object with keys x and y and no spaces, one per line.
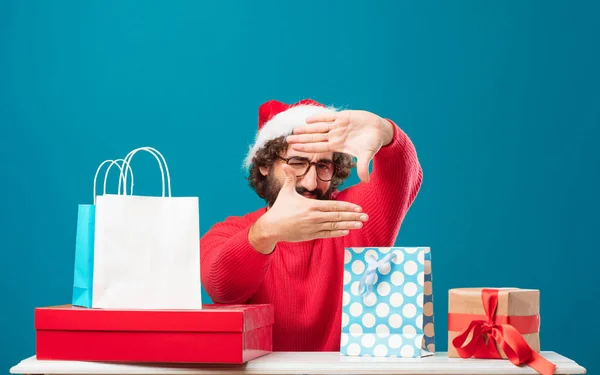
{"x":496,"y":323}
{"x":387,"y":307}
{"x":232,"y":334}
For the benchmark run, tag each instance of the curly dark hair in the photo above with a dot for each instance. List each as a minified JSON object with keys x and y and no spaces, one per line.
{"x":267,"y":156}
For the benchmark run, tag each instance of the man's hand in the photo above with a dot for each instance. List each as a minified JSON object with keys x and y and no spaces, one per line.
{"x":294,"y":218}
{"x":357,"y":133}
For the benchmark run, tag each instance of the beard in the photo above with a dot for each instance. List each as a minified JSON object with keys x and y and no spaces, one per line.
{"x":272,"y":188}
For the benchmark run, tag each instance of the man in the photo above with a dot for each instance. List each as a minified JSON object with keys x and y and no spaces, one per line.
{"x":291,"y":253}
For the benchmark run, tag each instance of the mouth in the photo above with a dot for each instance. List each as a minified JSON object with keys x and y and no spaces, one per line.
{"x":309,"y":195}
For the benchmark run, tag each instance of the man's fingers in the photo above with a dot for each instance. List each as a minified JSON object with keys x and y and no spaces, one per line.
{"x":332,"y":206}
{"x":289,"y":183}
{"x":314,"y":128}
{"x":362,"y":166}
{"x":331,"y":233}
{"x":333,"y":216}
{"x":313,"y":147}
{"x":307,"y":138}
{"x":340,"y":225}
{"x":323,"y":117}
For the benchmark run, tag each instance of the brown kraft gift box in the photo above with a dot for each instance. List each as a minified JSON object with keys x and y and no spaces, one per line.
{"x":517,"y":307}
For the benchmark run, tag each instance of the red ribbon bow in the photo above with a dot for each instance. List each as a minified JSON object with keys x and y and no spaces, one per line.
{"x":486,"y":334}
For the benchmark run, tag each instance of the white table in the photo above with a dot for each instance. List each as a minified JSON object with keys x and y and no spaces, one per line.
{"x":320,"y":363}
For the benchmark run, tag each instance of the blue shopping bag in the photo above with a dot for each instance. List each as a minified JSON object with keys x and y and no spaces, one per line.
{"x":387,"y":307}
{"x":84,"y":256}
{"x":83,"y":276}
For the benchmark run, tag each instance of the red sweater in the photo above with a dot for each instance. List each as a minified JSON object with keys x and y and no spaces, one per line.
{"x":304,"y":280}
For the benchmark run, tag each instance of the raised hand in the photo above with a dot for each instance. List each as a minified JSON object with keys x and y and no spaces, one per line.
{"x":357,"y":133}
{"x":294,"y":218}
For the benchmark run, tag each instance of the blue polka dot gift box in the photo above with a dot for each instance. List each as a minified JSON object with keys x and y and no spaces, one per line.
{"x":387,"y":306}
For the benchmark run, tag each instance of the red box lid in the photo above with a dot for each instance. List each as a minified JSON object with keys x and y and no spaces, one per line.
{"x":211,"y":318}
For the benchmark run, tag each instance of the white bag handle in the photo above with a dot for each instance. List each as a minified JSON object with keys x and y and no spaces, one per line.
{"x":154,"y":153}
{"x":106,"y":175}
{"x":115,"y":162}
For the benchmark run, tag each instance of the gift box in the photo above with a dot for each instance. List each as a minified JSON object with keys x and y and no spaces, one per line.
{"x":387,"y":307}
{"x":231,"y":334}
{"x":496,"y":323}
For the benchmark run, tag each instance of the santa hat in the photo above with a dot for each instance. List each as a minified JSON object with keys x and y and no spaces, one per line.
{"x":276,"y":119}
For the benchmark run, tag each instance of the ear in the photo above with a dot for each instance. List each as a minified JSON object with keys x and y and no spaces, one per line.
{"x":264,"y":170}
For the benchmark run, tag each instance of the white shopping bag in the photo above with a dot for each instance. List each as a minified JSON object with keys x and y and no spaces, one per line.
{"x":147,"y":249}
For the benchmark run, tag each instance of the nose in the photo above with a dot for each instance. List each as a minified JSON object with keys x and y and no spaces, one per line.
{"x":309,"y":181}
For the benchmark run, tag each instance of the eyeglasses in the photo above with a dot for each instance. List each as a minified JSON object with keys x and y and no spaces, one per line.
{"x":325,"y":168}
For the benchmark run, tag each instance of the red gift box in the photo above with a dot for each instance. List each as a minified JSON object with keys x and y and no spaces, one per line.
{"x":216,"y":334}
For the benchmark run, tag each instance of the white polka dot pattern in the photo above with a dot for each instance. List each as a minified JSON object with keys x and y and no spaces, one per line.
{"x":385,"y":269}
{"x":356,"y":330}
{"x":354,"y":349}
{"x":383,"y":289}
{"x":347,"y":277}
{"x":344,"y":341}
{"x":410,"y":289}
{"x":368,"y":340}
{"x":397,"y":278}
{"x":356,"y":309}
{"x":347,"y":256}
{"x":396,"y":299}
{"x":395,"y":321}
{"x":408,"y":330}
{"x":358,"y":267}
{"x":395,"y":341}
{"x":407,"y":351}
{"x":419,"y":322}
{"x":409,"y":310}
{"x":345,"y":319}
{"x":419,"y":300}
{"x":369,"y":320}
{"x":410,"y":267}
{"x":380,"y":351}
{"x":371,"y":253}
{"x":346,"y":298}
{"x":389,"y":321}
{"x":383,"y":330}
{"x":383,"y":310}
{"x":370,"y":299}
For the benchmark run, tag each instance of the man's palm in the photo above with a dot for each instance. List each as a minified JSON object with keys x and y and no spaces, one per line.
{"x":357,"y":133}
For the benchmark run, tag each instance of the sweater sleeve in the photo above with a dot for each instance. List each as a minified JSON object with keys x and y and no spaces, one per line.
{"x":395,"y":180}
{"x":232,"y":270}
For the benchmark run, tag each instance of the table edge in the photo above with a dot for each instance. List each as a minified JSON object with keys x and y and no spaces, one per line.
{"x":573,"y":368}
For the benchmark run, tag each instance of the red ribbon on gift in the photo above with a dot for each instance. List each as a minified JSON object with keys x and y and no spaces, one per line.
{"x":486,"y":333}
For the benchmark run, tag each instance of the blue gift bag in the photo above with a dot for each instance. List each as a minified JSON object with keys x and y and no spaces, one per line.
{"x":83,"y":276}
{"x":84,"y":256}
{"x":387,"y":307}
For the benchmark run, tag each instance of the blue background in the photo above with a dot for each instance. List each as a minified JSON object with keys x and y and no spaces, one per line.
{"x":501,"y":99}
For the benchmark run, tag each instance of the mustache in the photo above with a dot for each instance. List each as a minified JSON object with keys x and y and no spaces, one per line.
{"x":318,"y":193}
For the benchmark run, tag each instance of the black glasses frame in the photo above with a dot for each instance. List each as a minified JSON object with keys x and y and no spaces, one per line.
{"x":310,"y":164}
